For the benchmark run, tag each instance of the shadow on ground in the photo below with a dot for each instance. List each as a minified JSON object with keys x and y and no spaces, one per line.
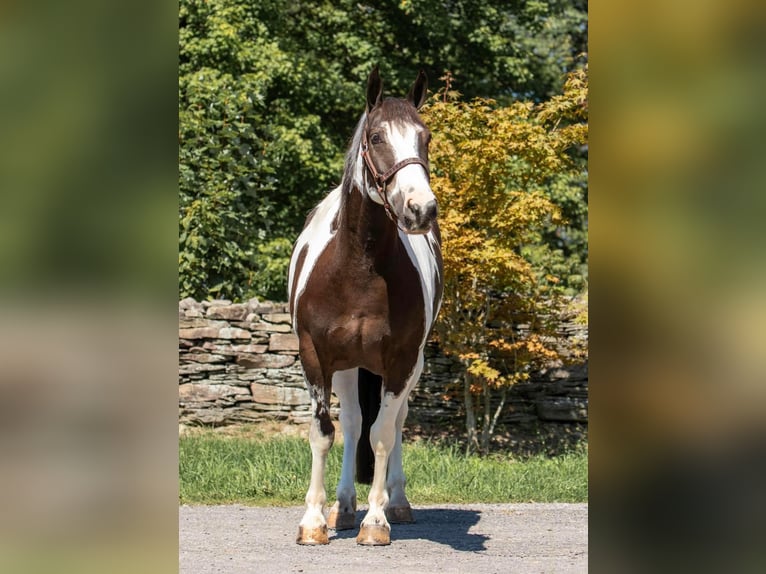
{"x":442,"y":525}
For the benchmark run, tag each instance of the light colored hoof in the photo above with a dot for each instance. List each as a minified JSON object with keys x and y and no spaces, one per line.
{"x":400,"y":515}
{"x":312,"y":536}
{"x":341,"y":520}
{"x":376,"y":535}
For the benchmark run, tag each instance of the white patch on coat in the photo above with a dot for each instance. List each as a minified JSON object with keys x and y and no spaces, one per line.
{"x":345,"y":385}
{"x":317,"y":234}
{"x":420,"y":249}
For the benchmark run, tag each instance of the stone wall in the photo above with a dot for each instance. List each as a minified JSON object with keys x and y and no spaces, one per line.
{"x":238,"y":363}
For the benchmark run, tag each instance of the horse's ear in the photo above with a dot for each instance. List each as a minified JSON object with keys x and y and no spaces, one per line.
{"x":419,"y":90}
{"x":374,"y":89}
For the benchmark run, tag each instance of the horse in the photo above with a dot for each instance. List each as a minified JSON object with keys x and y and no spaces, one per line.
{"x":364,"y":289}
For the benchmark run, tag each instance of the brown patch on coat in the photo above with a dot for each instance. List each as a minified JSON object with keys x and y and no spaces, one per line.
{"x":363,"y":304}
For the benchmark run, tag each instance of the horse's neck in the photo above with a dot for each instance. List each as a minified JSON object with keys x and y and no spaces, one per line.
{"x":365,"y":228}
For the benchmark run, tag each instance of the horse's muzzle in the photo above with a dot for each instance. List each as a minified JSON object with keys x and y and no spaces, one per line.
{"x":419,"y":217}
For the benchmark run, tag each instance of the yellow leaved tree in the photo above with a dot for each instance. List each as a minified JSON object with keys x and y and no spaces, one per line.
{"x":493,"y":171}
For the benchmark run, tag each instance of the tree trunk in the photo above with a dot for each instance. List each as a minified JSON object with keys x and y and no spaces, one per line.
{"x":470,"y":415}
{"x":498,"y":410}
{"x":487,"y":417}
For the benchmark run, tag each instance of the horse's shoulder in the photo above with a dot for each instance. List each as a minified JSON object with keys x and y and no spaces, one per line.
{"x":321,"y":217}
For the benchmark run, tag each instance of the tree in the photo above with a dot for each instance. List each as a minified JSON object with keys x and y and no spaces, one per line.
{"x":502,"y":49}
{"x":252,"y":162}
{"x":269,"y":93}
{"x":495,"y":171}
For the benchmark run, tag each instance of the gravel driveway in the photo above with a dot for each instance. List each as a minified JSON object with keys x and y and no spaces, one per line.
{"x":481,"y":538}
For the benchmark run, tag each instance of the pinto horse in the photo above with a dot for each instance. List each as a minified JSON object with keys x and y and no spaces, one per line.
{"x":365,"y":286}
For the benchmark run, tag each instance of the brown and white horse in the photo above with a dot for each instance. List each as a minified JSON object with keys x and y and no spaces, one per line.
{"x":365,"y":286}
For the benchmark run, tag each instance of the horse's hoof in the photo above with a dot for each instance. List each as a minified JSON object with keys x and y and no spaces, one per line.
{"x":400,"y":515}
{"x":341,"y":520}
{"x":312,"y":536}
{"x":375,"y":535}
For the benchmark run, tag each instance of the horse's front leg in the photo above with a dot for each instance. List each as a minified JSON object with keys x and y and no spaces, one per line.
{"x":313,"y":526}
{"x":399,"y":510}
{"x":346,"y":385}
{"x":375,"y":529}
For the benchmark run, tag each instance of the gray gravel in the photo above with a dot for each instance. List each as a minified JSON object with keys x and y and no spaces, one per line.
{"x":481,"y":538}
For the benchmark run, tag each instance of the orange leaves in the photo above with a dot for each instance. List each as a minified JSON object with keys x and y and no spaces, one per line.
{"x":572,"y":105}
{"x":532,"y":347}
{"x":481,"y":370}
{"x":492,"y":171}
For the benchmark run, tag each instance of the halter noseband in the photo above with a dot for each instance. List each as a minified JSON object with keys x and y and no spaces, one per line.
{"x":381,"y":179}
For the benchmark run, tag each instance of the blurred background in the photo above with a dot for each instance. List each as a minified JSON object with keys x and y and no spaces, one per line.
{"x":678,"y":278}
{"x":88,"y":327}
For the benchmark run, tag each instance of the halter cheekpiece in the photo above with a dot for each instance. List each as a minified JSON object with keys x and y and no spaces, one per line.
{"x":381,"y":179}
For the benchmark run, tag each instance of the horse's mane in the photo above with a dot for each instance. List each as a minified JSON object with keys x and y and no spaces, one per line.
{"x":353,"y":154}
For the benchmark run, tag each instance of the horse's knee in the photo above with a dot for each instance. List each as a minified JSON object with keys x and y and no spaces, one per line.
{"x":383,"y":431}
{"x":351,"y":420}
{"x":321,"y":432}
{"x":382,"y":441}
{"x":402,"y":415}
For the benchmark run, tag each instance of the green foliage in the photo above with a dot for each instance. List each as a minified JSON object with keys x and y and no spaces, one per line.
{"x":517,"y":49}
{"x":251,"y":163}
{"x":262,"y":471}
{"x":269,"y":93}
{"x":271,"y":262}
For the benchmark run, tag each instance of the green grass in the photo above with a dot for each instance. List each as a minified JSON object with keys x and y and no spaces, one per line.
{"x":275,"y":471}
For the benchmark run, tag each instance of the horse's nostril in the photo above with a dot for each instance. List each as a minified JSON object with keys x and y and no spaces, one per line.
{"x":414,"y":207}
{"x":430,"y":210}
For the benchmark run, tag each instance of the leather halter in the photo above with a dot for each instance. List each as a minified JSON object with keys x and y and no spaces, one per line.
{"x":381,"y":179}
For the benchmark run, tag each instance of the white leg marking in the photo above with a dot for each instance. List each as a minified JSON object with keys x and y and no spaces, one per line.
{"x":383,"y":439}
{"x":396,"y":480}
{"x":345,"y":384}
{"x":316,"y":497}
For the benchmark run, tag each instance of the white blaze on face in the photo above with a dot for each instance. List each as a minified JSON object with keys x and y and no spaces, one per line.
{"x":410,"y":182}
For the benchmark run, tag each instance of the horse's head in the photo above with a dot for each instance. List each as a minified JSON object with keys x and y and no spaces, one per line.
{"x":394,"y":147}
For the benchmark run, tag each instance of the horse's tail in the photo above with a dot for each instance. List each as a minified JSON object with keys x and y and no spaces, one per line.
{"x":369,"y":401}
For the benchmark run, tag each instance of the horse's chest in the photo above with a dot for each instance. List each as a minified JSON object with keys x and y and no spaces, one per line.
{"x":360,"y":304}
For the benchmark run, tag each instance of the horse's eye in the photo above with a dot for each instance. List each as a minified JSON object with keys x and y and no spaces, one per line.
{"x":376,"y":139}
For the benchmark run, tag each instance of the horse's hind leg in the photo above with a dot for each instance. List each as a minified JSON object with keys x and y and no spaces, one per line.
{"x":343,"y":512}
{"x":399,"y":510}
{"x":313,"y":526}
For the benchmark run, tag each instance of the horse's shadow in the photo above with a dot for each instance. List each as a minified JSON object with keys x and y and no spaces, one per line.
{"x":448,"y":526}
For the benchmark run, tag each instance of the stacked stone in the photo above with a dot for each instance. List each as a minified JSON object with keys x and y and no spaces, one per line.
{"x":238,"y":362}
{"x":436,"y":398}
